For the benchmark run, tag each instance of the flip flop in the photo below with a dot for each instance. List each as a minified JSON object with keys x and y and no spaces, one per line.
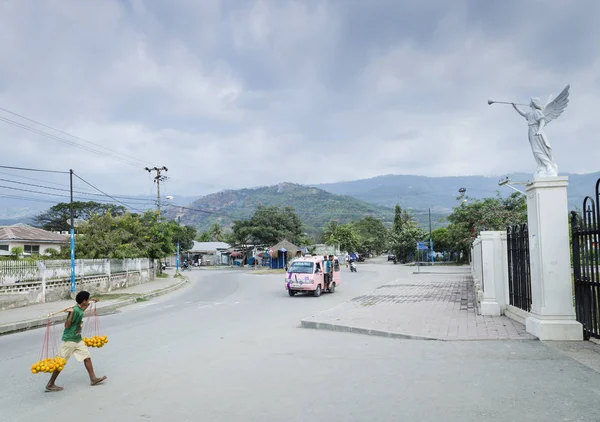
{"x":53,"y":389}
{"x":98,"y":381}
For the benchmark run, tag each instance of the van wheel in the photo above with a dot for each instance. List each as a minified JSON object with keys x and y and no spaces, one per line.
{"x":292,"y":292}
{"x":332,"y":288}
{"x":317,"y":291}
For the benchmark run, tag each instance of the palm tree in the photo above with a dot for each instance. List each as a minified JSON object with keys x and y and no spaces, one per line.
{"x":330,"y":232}
{"x":216,"y":232}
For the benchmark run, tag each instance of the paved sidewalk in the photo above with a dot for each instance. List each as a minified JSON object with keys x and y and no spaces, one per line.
{"x":32,"y":316}
{"x":438,"y":304}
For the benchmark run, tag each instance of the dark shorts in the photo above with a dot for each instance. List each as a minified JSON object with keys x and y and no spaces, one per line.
{"x":327,"y":278}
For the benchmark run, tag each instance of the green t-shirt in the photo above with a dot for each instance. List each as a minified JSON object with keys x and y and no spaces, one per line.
{"x":327,"y":266}
{"x":73,"y":333}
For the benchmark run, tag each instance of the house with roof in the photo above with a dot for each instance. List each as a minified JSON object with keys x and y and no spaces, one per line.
{"x":33,"y":240}
{"x":208,"y":253}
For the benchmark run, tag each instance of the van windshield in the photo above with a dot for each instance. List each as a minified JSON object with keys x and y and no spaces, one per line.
{"x":301,"y":267}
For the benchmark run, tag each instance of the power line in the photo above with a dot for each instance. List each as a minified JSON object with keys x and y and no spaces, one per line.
{"x":27,"y":198}
{"x":75,"y":144}
{"x":29,"y":169}
{"x":130,"y":206}
{"x":75,"y":191}
{"x":101,"y":191}
{"x":34,"y":179}
{"x":68,"y":134}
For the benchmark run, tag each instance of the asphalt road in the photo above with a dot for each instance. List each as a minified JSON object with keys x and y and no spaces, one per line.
{"x":229,"y":348}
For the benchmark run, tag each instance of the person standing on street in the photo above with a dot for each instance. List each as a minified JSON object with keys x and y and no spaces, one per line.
{"x":326,"y":271}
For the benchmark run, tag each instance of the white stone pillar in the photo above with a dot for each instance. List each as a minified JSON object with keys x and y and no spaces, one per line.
{"x":503,"y":289}
{"x":494,"y":266}
{"x":552,"y":311}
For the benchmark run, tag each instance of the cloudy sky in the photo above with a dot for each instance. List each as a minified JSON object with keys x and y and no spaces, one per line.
{"x":236,"y":93}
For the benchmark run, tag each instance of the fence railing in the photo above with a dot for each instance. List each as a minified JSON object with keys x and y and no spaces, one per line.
{"x":585,"y":238}
{"x":519,"y":276}
{"x":24,"y":271}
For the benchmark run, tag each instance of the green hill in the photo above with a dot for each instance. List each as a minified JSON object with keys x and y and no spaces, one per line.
{"x":314,"y":206}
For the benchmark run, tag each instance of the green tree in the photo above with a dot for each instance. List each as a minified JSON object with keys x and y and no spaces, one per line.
{"x":404,"y":244}
{"x":269,"y":225}
{"x":346,"y":238}
{"x":329,"y":236}
{"x":371,"y":235}
{"x":216,"y":232}
{"x":185,"y":235}
{"x":16,"y":252}
{"x":57,"y":218}
{"x":203,"y":237}
{"x":442,"y":240}
{"x":128,"y":236}
{"x":474,"y":216}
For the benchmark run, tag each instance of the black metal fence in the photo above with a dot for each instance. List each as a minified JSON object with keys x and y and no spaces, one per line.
{"x":519,"y":276}
{"x":585,"y":240}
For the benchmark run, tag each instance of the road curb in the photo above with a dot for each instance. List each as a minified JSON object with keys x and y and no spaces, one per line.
{"x":105,"y":310}
{"x":357,"y":330}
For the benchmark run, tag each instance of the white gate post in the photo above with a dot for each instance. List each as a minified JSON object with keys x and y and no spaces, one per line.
{"x":493,"y":262}
{"x":552,"y":311}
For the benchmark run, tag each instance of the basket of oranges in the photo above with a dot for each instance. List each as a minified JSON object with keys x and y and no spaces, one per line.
{"x":48,"y":365}
{"x":92,"y":332}
{"x":95,"y":341}
{"x":48,"y":361}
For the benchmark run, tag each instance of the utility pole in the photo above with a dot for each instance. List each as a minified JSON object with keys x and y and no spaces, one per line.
{"x":430,"y":239}
{"x":177,"y":258}
{"x":157,"y":179}
{"x":72,"y":232}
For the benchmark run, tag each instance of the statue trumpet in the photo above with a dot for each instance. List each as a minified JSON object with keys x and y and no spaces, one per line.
{"x":490,"y":102}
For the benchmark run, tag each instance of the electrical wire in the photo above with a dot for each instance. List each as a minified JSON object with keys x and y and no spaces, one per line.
{"x":101,"y":191}
{"x":27,"y":198}
{"x":29,"y":169}
{"x":142,"y":200}
{"x":75,"y":144}
{"x":72,"y":136}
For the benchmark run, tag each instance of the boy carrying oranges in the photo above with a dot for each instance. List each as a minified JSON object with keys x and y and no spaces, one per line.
{"x":72,"y":343}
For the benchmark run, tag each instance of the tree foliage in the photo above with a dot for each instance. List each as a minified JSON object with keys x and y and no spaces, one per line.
{"x":268,"y":226}
{"x":57,"y":218}
{"x":341,"y":234}
{"x":474,"y":216}
{"x":404,"y":243}
{"x":131,"y":236}
{"x":372,"y":236}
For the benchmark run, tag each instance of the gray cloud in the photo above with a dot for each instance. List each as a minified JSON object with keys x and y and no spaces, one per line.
{"x":230,"y":94}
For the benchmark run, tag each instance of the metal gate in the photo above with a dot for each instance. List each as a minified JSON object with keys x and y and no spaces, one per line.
{"x":586,"y":259}
{"x":519,"y":276}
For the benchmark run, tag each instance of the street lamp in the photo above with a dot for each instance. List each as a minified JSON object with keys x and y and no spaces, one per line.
{"x":505,"y":181}
{"x":462,"y":192}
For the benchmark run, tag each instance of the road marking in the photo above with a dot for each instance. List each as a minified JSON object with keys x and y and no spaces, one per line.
{"x":168,"y":306}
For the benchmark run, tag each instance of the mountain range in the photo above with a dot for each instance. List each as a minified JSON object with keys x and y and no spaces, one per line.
{"x":341,"y":201}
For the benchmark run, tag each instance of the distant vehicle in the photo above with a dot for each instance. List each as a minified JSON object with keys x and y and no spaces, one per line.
{"x":391,"y":258}
{"x":352,"y":266}
{"x":306,"y":275}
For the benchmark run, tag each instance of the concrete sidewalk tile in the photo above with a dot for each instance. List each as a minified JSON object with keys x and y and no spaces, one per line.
{"x":424,"y":305}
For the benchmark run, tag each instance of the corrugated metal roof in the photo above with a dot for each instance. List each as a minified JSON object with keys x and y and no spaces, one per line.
{"x":208,"y":246}
{"x":23,"y":232}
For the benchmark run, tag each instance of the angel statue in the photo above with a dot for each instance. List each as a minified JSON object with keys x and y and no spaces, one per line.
{"x":537,"y":119}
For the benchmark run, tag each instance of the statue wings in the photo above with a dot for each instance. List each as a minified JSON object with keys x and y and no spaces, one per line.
{"x":555,"y":108}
